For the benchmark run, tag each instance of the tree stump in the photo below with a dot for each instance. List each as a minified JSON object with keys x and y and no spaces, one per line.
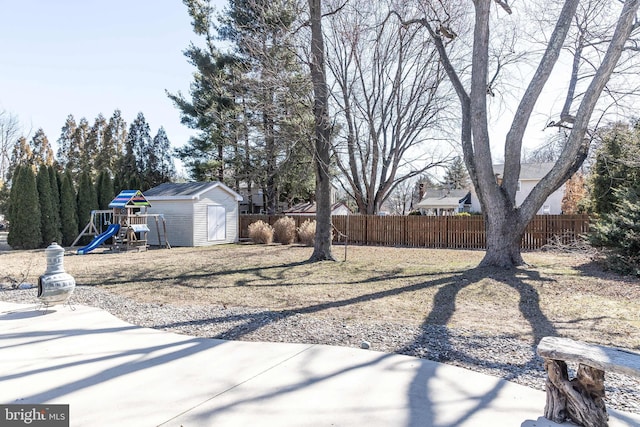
{"x":579,"y":399}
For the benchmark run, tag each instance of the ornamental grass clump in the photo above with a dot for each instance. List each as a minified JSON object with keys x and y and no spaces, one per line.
{"x":307,"y":232}
{"x":261,"y":232}
{"x":284,"y":231}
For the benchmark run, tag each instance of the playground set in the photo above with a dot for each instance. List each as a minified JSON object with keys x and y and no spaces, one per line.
{"x":124,"y":227}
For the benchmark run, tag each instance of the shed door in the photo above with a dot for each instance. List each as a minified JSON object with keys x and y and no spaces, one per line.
{"x":216,"y":222}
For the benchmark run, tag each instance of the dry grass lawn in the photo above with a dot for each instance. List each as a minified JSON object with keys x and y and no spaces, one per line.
{"x":558,"y":294}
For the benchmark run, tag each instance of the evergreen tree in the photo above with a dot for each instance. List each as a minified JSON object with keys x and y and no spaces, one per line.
{"x":104,"y":190}
{"x":133,"y":167}
{"x":13,"y":194}
{"x":456,"y":176}
{"x":110,"y":152}
{"x":68,"y":215}
{"x":161,"y":167}
{"x":119,"y":184}
{"x":65,"y":142}
{"x":95,"y":142}
{"x":275,"y":88}
{"x":55,"y":200}
{"x":616,"y":166}
{"x":86,"y":200}
{"x":21,"y":155}
{"x":619,"y":231}
{"x":49,"y":231}
{"x":41,"y":149}
{"x":24,"y":232}
{"x":81,"y":151}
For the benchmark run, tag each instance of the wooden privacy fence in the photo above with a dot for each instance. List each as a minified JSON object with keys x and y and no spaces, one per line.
{"x":461,"y":232}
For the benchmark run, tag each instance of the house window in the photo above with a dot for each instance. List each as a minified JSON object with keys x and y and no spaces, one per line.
{"x":519,"y":185}
{"x":546,"y":209}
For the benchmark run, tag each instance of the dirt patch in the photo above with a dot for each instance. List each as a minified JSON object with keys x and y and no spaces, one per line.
{"x":558,"y":294}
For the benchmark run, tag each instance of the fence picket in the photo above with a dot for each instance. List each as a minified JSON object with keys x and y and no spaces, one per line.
{"x":459,"y":232}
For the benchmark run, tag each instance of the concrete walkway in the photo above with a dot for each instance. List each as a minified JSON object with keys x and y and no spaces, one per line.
{"x":114,"y":374}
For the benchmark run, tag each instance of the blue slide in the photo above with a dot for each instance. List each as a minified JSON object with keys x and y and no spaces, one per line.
{"x":99,"y":239}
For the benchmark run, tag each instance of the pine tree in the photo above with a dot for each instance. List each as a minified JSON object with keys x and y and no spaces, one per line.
{"x":456,"y":176}
{"x":95,"y":142}
{"x":47,"y":221}
{"x":68,"y":215}
{"x":21,"y":155}
{"x":55,"y":201}
{"x":24,"y":232}
{"x":111,"y":150}
{"x":133,"y":167}
{"x":65,"y":142}
{"x":81,"y":151}
{"x":160,"y":167}
{"x":616,"y":166}
{"x":619,"y":232}
{"x":41,"y":149}
{"x":104,"y":190}
{"x":86,"y":201}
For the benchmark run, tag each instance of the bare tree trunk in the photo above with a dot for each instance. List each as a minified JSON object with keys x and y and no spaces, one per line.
{"x":503,"y":241}
{"x":322,"y":243}
{"x":506,"y":221}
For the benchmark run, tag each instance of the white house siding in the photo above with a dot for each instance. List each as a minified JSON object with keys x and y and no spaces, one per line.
{"x":553,"y":202}
{"x":178,"y":215}
{"x":215,"y":197}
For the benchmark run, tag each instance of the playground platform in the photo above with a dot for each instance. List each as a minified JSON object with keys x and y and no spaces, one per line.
{"x":112,"y":373}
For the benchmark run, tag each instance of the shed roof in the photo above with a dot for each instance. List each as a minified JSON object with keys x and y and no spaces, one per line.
{"x":186,"y":190}
{"x":445,"y":198}
{"x":131,"y":198}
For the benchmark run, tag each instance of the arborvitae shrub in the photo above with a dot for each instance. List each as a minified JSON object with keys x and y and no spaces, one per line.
{"x":307,"y":232}
{"x":284,"y":231}
{"x":261,"y":232}
{"x":25,"y":232}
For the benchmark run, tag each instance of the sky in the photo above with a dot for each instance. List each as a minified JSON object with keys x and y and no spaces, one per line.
{"x":85,"y":57}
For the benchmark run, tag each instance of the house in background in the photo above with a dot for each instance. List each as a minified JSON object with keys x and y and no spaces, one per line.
{"x":309,"y":208}
{"x":441,"y":202}
{"x":530,"y":175}
{"x":450,"y":202}
{"x":196,"y":213}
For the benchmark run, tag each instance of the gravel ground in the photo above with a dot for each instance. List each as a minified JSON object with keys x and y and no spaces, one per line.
{"x":501,"y":356}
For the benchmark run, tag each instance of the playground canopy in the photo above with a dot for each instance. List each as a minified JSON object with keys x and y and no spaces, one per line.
{"x":129,"y":198}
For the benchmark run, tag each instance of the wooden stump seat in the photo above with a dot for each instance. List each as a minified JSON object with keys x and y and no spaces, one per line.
{"x":581,"y":399}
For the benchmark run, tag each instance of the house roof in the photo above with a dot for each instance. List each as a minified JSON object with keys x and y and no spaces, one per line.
{"x":309,"y":208}
{"x":444,"y":198}
{"x":129,"y":198}
{"x":186,"y":190}
{"x":528,"y":171}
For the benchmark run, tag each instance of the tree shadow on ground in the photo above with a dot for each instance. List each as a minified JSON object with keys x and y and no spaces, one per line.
{"x":444,"y":308}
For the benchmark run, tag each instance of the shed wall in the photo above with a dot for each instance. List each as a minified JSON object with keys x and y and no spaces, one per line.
{"x":215,"y":197}
{"x":178,"y":215}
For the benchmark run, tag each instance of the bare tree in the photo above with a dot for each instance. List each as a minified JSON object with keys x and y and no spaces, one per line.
{"x":388,"y":98}
{"x":505,"y":221}
{"x":9,"y":131}
{"x":322,"y":154}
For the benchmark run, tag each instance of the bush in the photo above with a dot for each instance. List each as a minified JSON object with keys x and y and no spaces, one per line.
{"x":261,"y":232}
{"x":618,"y":232}
{"x":284,"y":231}
{"x":307,"y":232}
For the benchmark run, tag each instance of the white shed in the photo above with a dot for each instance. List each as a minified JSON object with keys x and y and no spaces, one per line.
{"x":196,"y":213}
